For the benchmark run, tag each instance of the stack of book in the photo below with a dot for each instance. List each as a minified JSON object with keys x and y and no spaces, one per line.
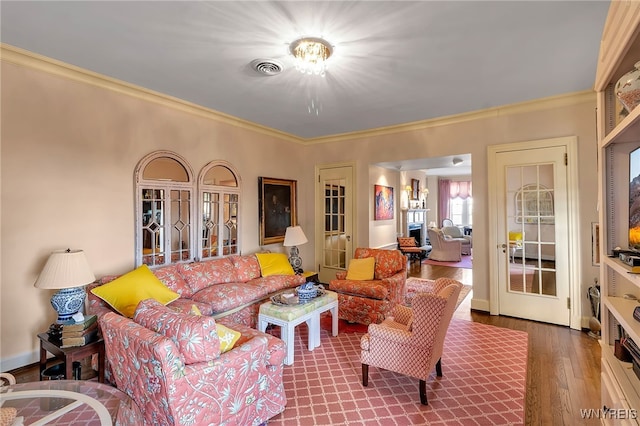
{"x":79,"y":333}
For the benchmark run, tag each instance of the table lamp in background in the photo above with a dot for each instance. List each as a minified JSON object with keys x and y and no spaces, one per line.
{"x":294,"y":237}
{"x":67,"y":271}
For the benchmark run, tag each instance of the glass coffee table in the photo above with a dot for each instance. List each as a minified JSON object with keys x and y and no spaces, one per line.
{"x":70,"y":402}
{"x":288,"y":317}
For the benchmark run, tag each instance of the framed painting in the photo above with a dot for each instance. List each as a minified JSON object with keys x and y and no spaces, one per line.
{"x":415,"y":189}
{"x":383,"y":196}
{"x":277,"y":205}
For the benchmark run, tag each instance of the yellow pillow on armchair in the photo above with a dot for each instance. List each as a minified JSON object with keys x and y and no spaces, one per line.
{"x":361,"y":269}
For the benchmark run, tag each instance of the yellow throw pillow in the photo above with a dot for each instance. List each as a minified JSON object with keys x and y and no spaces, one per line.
{"x":361,"y":269}
{"x":124,"y":293}
{"x":274,"y":264}
{"x":227,"y":336}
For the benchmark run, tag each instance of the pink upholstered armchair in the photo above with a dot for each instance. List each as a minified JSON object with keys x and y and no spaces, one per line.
{"x":411,"y":341}
{"x":241,"y":386}
{"x":368,"y":301}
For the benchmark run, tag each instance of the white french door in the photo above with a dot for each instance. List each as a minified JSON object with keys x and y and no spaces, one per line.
{"x":334,"y":219}
{"x":534,"y":239}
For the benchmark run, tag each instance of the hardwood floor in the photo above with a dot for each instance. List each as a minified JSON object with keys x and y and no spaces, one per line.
{"x":563,"y":369}
{"x":563,"y":374}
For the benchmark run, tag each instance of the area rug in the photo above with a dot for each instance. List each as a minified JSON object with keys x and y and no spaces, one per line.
{"x":484,"y":376}
{"x":416,"y":285}
{"x":465,"y":262}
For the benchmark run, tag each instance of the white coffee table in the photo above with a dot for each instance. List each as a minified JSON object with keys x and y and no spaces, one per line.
{"x":288,"y":317}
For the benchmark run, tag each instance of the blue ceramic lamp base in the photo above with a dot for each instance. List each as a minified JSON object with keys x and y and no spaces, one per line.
{"x":67,"y":302}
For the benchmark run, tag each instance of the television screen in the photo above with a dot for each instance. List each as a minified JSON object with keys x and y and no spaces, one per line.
{"x":634,"y":200}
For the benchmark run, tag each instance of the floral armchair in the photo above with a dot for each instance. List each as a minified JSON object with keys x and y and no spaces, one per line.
{"x":240,"y":386}
{"x":368,"y":301}
{"x":411,"y":340}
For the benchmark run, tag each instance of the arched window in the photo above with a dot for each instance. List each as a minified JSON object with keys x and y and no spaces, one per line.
{"x":164,"y":209}
{"x":219,"y":189}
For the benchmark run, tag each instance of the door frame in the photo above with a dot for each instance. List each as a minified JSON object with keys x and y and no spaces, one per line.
{"x":319,"y":209}
{"x":496,"y":241}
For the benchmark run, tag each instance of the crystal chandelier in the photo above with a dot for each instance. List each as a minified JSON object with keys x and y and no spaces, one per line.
{"x":311,"y":54}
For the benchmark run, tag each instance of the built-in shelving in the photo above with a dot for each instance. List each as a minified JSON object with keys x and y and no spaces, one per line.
{"x":617,"y":136}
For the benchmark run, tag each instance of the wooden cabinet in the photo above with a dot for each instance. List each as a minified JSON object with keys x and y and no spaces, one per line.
{"x":618,"y":135}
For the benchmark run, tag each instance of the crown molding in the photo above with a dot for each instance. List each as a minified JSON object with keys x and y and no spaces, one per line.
{"x":557,"y":101}
{"x":27,"y":59}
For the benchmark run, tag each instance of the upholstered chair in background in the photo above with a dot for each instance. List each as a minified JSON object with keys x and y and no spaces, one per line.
{"x":454,"y":233}
{"x":443,"y":249}
{"x":411,"y":340}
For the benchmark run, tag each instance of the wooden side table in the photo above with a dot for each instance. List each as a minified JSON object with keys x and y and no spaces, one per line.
{"x":69,"y":355}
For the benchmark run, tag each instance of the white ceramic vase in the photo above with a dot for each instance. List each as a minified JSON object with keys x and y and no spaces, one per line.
{"x":628,"y":88}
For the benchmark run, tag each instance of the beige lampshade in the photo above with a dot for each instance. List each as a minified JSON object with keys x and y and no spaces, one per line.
{"x":65,"y":269}
{"x":294,"y":236}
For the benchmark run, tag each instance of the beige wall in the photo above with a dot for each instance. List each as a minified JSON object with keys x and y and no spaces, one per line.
{"x":69,"y":150}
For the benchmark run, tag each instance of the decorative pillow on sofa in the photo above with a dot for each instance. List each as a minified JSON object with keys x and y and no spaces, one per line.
{"x":195,"y":336}
{"x":361,"y":269}
{"x":274,"y":264}
{"x":227,"y":336}
{"x":124,"y":293}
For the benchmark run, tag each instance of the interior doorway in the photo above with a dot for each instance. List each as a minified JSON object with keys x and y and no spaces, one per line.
{"x":531,"y":213}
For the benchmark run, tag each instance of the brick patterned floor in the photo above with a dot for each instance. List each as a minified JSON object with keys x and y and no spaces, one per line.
{"x":483,"y":383}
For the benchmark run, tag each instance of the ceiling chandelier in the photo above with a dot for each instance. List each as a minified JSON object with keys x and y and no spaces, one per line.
{"x":311,"y":54}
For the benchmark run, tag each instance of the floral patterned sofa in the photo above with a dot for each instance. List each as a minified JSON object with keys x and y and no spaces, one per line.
{"x":172,"y":365}
{"x":231,"y":287}
{"x":367,"y":301}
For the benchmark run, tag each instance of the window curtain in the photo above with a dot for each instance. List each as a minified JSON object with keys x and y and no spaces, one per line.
{"x":444,"y":189}
{"x":460,"y":189}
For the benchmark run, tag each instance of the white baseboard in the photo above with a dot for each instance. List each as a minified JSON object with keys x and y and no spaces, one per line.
{"x":480,"y":305}
{"x":21,"y":360}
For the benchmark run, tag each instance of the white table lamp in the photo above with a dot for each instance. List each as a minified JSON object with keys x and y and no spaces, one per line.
{"x":294,"y":237}
{"x":67,"y":271}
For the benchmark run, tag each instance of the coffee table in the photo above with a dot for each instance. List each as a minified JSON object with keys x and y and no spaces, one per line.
{"x":71,"y":402}
{"x":288,"y":317}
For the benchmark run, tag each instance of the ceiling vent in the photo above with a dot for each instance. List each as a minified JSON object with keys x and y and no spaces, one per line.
{"x":266,"y":66}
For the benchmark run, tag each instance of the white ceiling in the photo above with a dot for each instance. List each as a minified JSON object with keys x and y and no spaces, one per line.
{"x":394,"y":61}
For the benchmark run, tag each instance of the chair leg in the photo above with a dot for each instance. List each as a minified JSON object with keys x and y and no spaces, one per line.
{"x":365,"y":375}
{"x":439,"y":368}
{"x":423,"y":392}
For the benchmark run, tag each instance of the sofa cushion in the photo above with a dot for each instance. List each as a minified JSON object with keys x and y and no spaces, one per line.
{"x":171,"y":277}
{"x":195,"y":336}
{"x":226,"y":335}
{"x":124,"y":293}
{"x":199,"y":275}
{"x":223,"y":297}
{"x":274,"y":264}
{"x":247,"y":267}
{"x":370,"y":289}
{"x":361,"y":269}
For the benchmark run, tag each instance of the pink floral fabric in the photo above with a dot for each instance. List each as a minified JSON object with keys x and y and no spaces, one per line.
{"x":194,"y":335}
{"x":247,"y":267}
{"x":223,"y":297}
{"x":367,"y":302}
{"x":242,"y":386}
{"x":199,"y":275}
{"x":171,"y":277}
